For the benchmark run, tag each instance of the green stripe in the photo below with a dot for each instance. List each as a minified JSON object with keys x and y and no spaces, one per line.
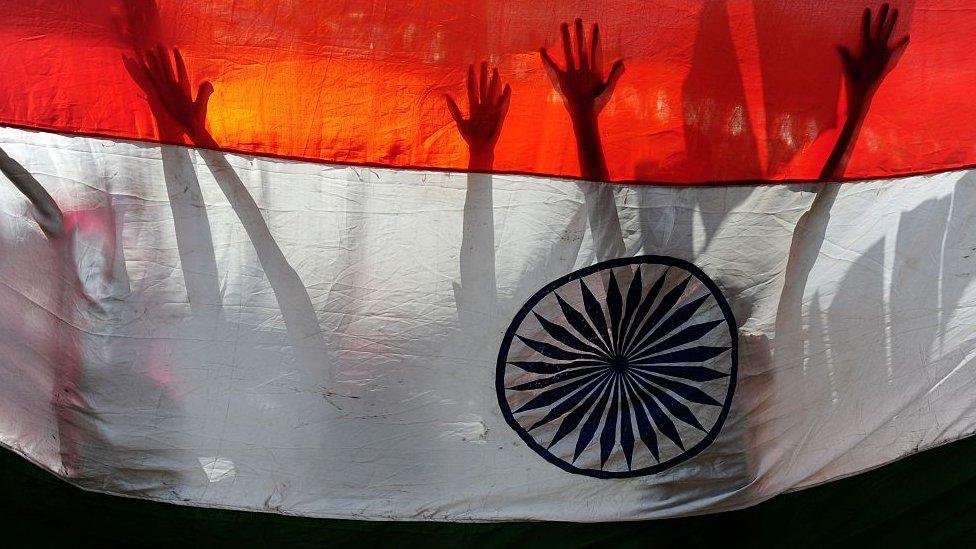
{"x":927,"y":500}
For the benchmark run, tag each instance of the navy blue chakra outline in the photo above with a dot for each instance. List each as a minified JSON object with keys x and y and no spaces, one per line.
{"x":620,"y":355}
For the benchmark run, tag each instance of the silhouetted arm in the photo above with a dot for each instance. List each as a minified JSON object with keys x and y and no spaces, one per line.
{"x":46,"y":211}
{"x":488,"y":103}
{"x":167,"y":84}
{"x":585,"y":92}
{"x":863,"y":74}
{"x":138,"y":22}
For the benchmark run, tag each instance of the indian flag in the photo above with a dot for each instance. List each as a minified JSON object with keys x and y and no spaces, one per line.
{"x":678,"y":263}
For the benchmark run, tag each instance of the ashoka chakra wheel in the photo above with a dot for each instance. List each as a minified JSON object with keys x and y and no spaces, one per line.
{"x":620,"y":369}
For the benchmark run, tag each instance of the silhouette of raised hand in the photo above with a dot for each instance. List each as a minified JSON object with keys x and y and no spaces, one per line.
{"x":167,"y":86}
{"x":863,"y":73}
{"x":582,"y":85}
{"x":487,"y":106}
{"x":585,"y":92}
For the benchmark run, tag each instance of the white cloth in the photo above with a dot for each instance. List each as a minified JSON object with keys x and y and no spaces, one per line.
{"x":305,"y":340}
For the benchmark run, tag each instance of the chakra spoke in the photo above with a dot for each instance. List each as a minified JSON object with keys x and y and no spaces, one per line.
{"x":633,"y":301}
{"x":595,"y":313}
{"x":547,"y":368}
{"x":691,"y":354}
{"x":592,"y":422}
{"x":563,"y":336}
{"x":551,"y":351}
{"x":687,"y":392}
{"x":614,"y":306}
{"x":571,"y":403}
{"x":551,"y":396}
{"x":661,"y":419}
{"x":609,"y":436}
{"x":642,"y":416}
{"x":645,"y":308}
{"x":676,"y":408}
{"x":573,"y":419}
{"x":667,"y":302}
{"x":679,"y":317}
{"x":579,"y":323}
{"x":558,"y":378}
{"x":626,"y":429}
{"x":687,"y":335}
{"x":692,"y":373}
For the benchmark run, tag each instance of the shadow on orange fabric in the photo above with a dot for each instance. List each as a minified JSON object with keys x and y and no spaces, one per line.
{"x":713,"y":91}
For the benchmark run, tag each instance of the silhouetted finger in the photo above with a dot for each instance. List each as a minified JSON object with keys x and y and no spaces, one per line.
{"x":148,"y":69}
{"x":493,"y":83}
{"x":137,"y":71}
{"x":182,"y":78}
{"x":890,"y":28}
{"x":483,"y":83}
{"x":581,"y":45}
{"x":146,"y":60}
{"x":551,"y":69}
{"x":596,"y":52}
{"x":166,"y":64}
{"x":901,"y":43}
{"x":616,"y":71}
{"x":547,"y":60}
{"x":866,"y":27}
{"x":152,"y":63}
{"x":567,"y":47}
{"x":882,"y":19}
{"x":605,"y":92}
{"x":140,"y":56}
{"x":846,"y":59}
{"x":472,"y":88}
{"x":156,"y":73}
{"x":503,"y":103}
{"x":454,"y":110}
{"x":204,"y":91}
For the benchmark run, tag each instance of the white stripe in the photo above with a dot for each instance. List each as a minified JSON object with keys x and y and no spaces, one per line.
{"x":331,"y":353}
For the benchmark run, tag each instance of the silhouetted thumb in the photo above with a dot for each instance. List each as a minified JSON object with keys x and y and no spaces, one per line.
{"x":204,"y":92}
